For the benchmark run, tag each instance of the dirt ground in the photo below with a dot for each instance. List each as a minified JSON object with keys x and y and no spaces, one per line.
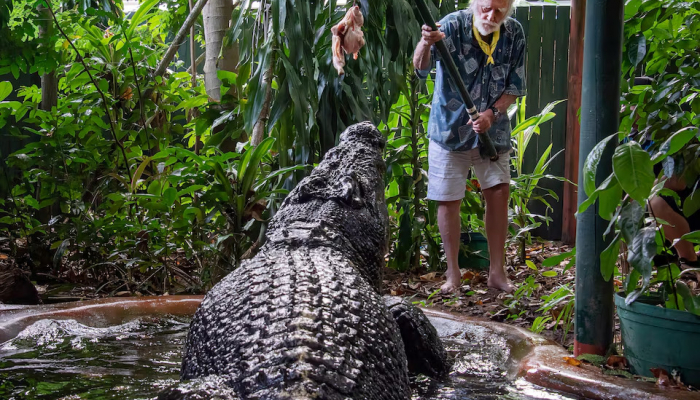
{"x":476,"y":299}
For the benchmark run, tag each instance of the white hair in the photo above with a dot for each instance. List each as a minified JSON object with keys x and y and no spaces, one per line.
{"x":511,"y":7}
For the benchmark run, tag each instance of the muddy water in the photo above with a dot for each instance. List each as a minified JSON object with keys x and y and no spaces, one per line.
{"x":63,"y":359}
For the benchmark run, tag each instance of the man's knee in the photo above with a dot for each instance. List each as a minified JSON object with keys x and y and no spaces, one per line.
{"x":501,"y":191}
{"x":449,"y":206}
{"x":660,"y":207}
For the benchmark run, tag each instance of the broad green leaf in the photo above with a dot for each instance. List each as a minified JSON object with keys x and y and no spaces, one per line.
{"x":649,"y":20}
{"x":591,"y":165}
{"x":631,"y":218}
{"x":609,"y":200}
{"x":193,"y":102}
{"x":555,"y":260}
{"x":549,"y":274}
{"x":632,"y":281}
{"x":633,"y":168}
{"x":227,"y":77}
{"x":154,"y":188}
{"x":608,"y":258}
{"x":641,"y":253}
{"x":661,"y":33}
{"x":691,"y":203}
{"x":607,"y":183}
{"x":674,"y":143}
{"x":531,"y":265}
{"x":693,"y":237}
{"x":169,"y":196}
{"x":691,"y":303}
{"x":637,"y":49}
{"x":5,"y":90}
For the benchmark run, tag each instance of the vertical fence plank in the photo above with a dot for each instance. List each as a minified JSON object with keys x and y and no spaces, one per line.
{"x":574,"y":75}
{"x":544,"y":139}
{"x":533,"y":70}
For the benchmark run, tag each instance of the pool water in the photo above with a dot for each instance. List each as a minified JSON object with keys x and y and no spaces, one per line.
{"x":63,"y":359}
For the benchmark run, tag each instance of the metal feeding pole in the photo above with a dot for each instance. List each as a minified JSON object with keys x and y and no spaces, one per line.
{"x":600,"y":112}
{"x":457,"y":79}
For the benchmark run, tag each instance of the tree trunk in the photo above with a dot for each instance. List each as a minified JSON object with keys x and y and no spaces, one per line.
{"x":49,"y":97}
{"x":49,"y":83}
{"x":259,"y":128}
{"x":217,"y":20}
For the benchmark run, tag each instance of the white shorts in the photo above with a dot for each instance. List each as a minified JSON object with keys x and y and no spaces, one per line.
{"x":448,"y":172}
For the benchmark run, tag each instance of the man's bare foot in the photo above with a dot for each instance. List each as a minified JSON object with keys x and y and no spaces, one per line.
{"x":500,"y":281}
{"x":454,"y":281}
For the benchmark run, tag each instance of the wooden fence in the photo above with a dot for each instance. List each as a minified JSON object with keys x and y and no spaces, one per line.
{"x":546,"y":29}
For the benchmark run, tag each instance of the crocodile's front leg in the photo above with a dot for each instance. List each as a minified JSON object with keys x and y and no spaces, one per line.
{"x":424,"y":349}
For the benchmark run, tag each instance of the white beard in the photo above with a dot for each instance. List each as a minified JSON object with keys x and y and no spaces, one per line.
{"x":486,"y":28}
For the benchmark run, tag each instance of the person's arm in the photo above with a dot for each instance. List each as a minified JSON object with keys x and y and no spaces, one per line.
{"x":422,"y":55}
{"x":675,"y":183}
{"x":487,"y":118}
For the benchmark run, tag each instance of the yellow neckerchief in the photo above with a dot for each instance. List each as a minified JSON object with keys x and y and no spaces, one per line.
{"x":489,"y":50}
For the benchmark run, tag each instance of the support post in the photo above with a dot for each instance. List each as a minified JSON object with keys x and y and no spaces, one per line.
{"x":575,"y":68}
{"x":600,"y":112}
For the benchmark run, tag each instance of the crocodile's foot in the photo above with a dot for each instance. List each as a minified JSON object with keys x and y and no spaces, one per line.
{"x":425,"y":352}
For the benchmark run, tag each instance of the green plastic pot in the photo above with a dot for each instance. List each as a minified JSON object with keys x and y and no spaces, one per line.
{"x":656,"y":337}
{"x":478,"y":255}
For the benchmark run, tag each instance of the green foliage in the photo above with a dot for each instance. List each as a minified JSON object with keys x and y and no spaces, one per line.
{"x":514,"y":301}
{"x":658,"y":37}
{"x":525,"y":185}
{"x":115,"y":185}
{"x":413,"y":218}
{"x":558,"y":307}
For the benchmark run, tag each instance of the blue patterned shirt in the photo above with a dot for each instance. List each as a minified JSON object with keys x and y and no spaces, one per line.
{"x":447,"y":125}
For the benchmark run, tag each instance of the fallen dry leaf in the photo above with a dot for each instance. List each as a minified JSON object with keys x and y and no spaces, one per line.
{"x":3,"y":256}
{"x":431,"y":276}
{"x":397,"y":292}
{"x":572,"y":361}
{"x":415,"y":285}
{"x":479,"y":303}
{"x":468,"y":275}
{"x":616,"y":362}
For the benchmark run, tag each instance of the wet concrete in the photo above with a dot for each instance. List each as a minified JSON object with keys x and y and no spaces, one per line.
{"x":541,"y":362}
{"x":529,"y":356}
{"x":96,"y":313}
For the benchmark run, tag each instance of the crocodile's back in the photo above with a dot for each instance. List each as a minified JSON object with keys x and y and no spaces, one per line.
{"x":298,"y":324}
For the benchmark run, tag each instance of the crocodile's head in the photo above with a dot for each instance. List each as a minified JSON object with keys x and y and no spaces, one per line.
{"x":341,"y":204}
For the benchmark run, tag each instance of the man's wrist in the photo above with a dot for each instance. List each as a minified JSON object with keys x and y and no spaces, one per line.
{"x":492,"y":117}
{"x":495,"y":112}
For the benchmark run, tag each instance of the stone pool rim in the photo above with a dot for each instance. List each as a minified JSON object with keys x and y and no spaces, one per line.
{"x":539,"y":361}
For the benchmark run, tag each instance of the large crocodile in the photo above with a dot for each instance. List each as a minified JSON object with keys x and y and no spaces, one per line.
{"x":304,"y":318}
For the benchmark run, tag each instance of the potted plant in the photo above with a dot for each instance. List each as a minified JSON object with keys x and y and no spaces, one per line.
{"x":659,"y":313}
{"x":474,"y":249}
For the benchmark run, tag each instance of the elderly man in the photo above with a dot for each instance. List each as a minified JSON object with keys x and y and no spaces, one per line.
{"x":488,"y":48}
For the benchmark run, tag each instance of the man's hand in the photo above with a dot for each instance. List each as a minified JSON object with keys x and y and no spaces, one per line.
{"x":484,"y":122}
{"x":431,"y":37}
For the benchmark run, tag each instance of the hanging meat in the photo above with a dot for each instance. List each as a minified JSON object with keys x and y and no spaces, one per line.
{"x":347,"y":37}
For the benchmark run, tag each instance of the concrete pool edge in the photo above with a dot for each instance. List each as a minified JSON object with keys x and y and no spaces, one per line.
{"x":543,"y":364}
{"x":533,"y":358}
